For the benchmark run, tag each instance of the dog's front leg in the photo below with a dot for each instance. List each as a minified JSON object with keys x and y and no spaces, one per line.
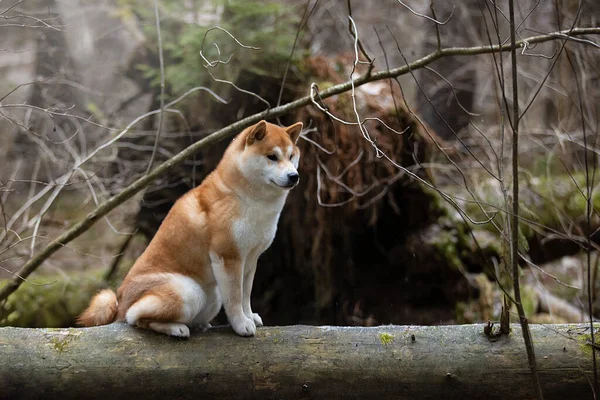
{"x":228,"y":273}
{"x":249,"y":271}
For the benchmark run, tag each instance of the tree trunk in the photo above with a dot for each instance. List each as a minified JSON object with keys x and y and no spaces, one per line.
{"x":117,"y":361}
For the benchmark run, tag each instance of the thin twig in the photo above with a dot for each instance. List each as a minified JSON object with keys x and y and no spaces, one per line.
{"x":514,"y":242}
{"x":434,"y":20}
{"x":547,"y":75}
{"x":3,"y":212}
{"x":161,"y":115}
{"x":588,"y":217}
{"x":437,"y":26}
{"x":213,"y":64}
{"x":352,"y":29}
{"x":303,"y":22}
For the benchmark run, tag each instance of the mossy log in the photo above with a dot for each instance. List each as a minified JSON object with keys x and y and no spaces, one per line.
{"x":387,"y":362}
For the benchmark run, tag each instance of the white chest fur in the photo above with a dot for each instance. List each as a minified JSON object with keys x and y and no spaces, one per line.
{"x":256,"y":225}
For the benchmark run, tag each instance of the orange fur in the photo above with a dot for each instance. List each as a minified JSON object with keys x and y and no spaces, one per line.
{"x":102,"y":309}
{"x":206,"y":249}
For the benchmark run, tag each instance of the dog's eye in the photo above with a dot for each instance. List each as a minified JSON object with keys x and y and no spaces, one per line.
{"x":292,"y":156}
{"x":272,"y":157}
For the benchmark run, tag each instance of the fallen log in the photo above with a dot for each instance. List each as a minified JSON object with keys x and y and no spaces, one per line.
{"x":117,"y":361}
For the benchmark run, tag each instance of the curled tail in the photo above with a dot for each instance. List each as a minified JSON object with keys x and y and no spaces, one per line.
{"x":102,"y":310}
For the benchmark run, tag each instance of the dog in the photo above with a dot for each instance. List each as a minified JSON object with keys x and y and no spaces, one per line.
{"x":205,"y":252}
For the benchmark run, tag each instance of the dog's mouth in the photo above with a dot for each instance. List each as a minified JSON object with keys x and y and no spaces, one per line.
{"x":291,"y":185}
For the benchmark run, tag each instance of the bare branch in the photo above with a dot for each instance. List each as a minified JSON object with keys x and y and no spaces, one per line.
{"x":228,"y":131}
{"x":352,"y":29}
{"x":514,"y":223}
{"x":213,"y":64}
{"x":428,"y":17}
{"x":303,"y":22}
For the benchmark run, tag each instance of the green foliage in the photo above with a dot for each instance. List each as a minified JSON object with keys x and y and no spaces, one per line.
{"x":449,"y":243}
{"x":551,"y":201}
{"x":52,"y":305}
{"x":267,"y":25}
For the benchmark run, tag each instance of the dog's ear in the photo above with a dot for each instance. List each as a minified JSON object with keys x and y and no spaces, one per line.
{"x":294,"y":131}
{"x":257,"y":133}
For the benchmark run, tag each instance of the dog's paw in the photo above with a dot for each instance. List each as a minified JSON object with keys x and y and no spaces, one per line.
{"x":244,"y":326}
{"x":257,"y":319}
{"x":179,"y":330}
{"x":170,"y":328}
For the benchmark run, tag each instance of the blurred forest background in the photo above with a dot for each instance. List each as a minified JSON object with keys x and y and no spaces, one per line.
{"x":402,"y":220}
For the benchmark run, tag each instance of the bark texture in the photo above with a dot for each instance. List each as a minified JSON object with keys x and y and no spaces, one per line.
{"x":117,"y":361}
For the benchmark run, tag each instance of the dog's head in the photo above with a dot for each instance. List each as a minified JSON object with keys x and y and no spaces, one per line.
{"x":270,"y":156}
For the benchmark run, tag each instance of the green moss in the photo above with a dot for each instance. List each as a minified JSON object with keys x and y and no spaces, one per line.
{"x":530,"y":301}
{"x":452,"y":244}
{"x":59,"y":345}
{"x":445,"y":243}
{"x":59,"y":339}
{"x":557,"y":198}
{"x":585,"y":344}
{"x":438,"y":206}
{"x":386,"y":338}
{"x":547,"y":200}
{"x":56,"y":303}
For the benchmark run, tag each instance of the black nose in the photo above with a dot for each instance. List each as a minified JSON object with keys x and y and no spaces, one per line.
{"x":293,"y":178}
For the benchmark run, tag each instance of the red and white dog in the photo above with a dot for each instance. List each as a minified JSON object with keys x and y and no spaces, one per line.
{"x":204,"y":255}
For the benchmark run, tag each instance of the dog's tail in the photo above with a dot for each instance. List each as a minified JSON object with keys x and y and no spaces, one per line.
{"x":102,"y":310}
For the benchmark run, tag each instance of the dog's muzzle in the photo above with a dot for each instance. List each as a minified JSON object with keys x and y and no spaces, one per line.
{"x":293,"y":178}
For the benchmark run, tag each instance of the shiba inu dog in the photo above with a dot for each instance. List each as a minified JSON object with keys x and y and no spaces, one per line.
{"x":204,"y":254}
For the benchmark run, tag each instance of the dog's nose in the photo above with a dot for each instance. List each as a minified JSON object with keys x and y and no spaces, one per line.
{"x":293,"y":178}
